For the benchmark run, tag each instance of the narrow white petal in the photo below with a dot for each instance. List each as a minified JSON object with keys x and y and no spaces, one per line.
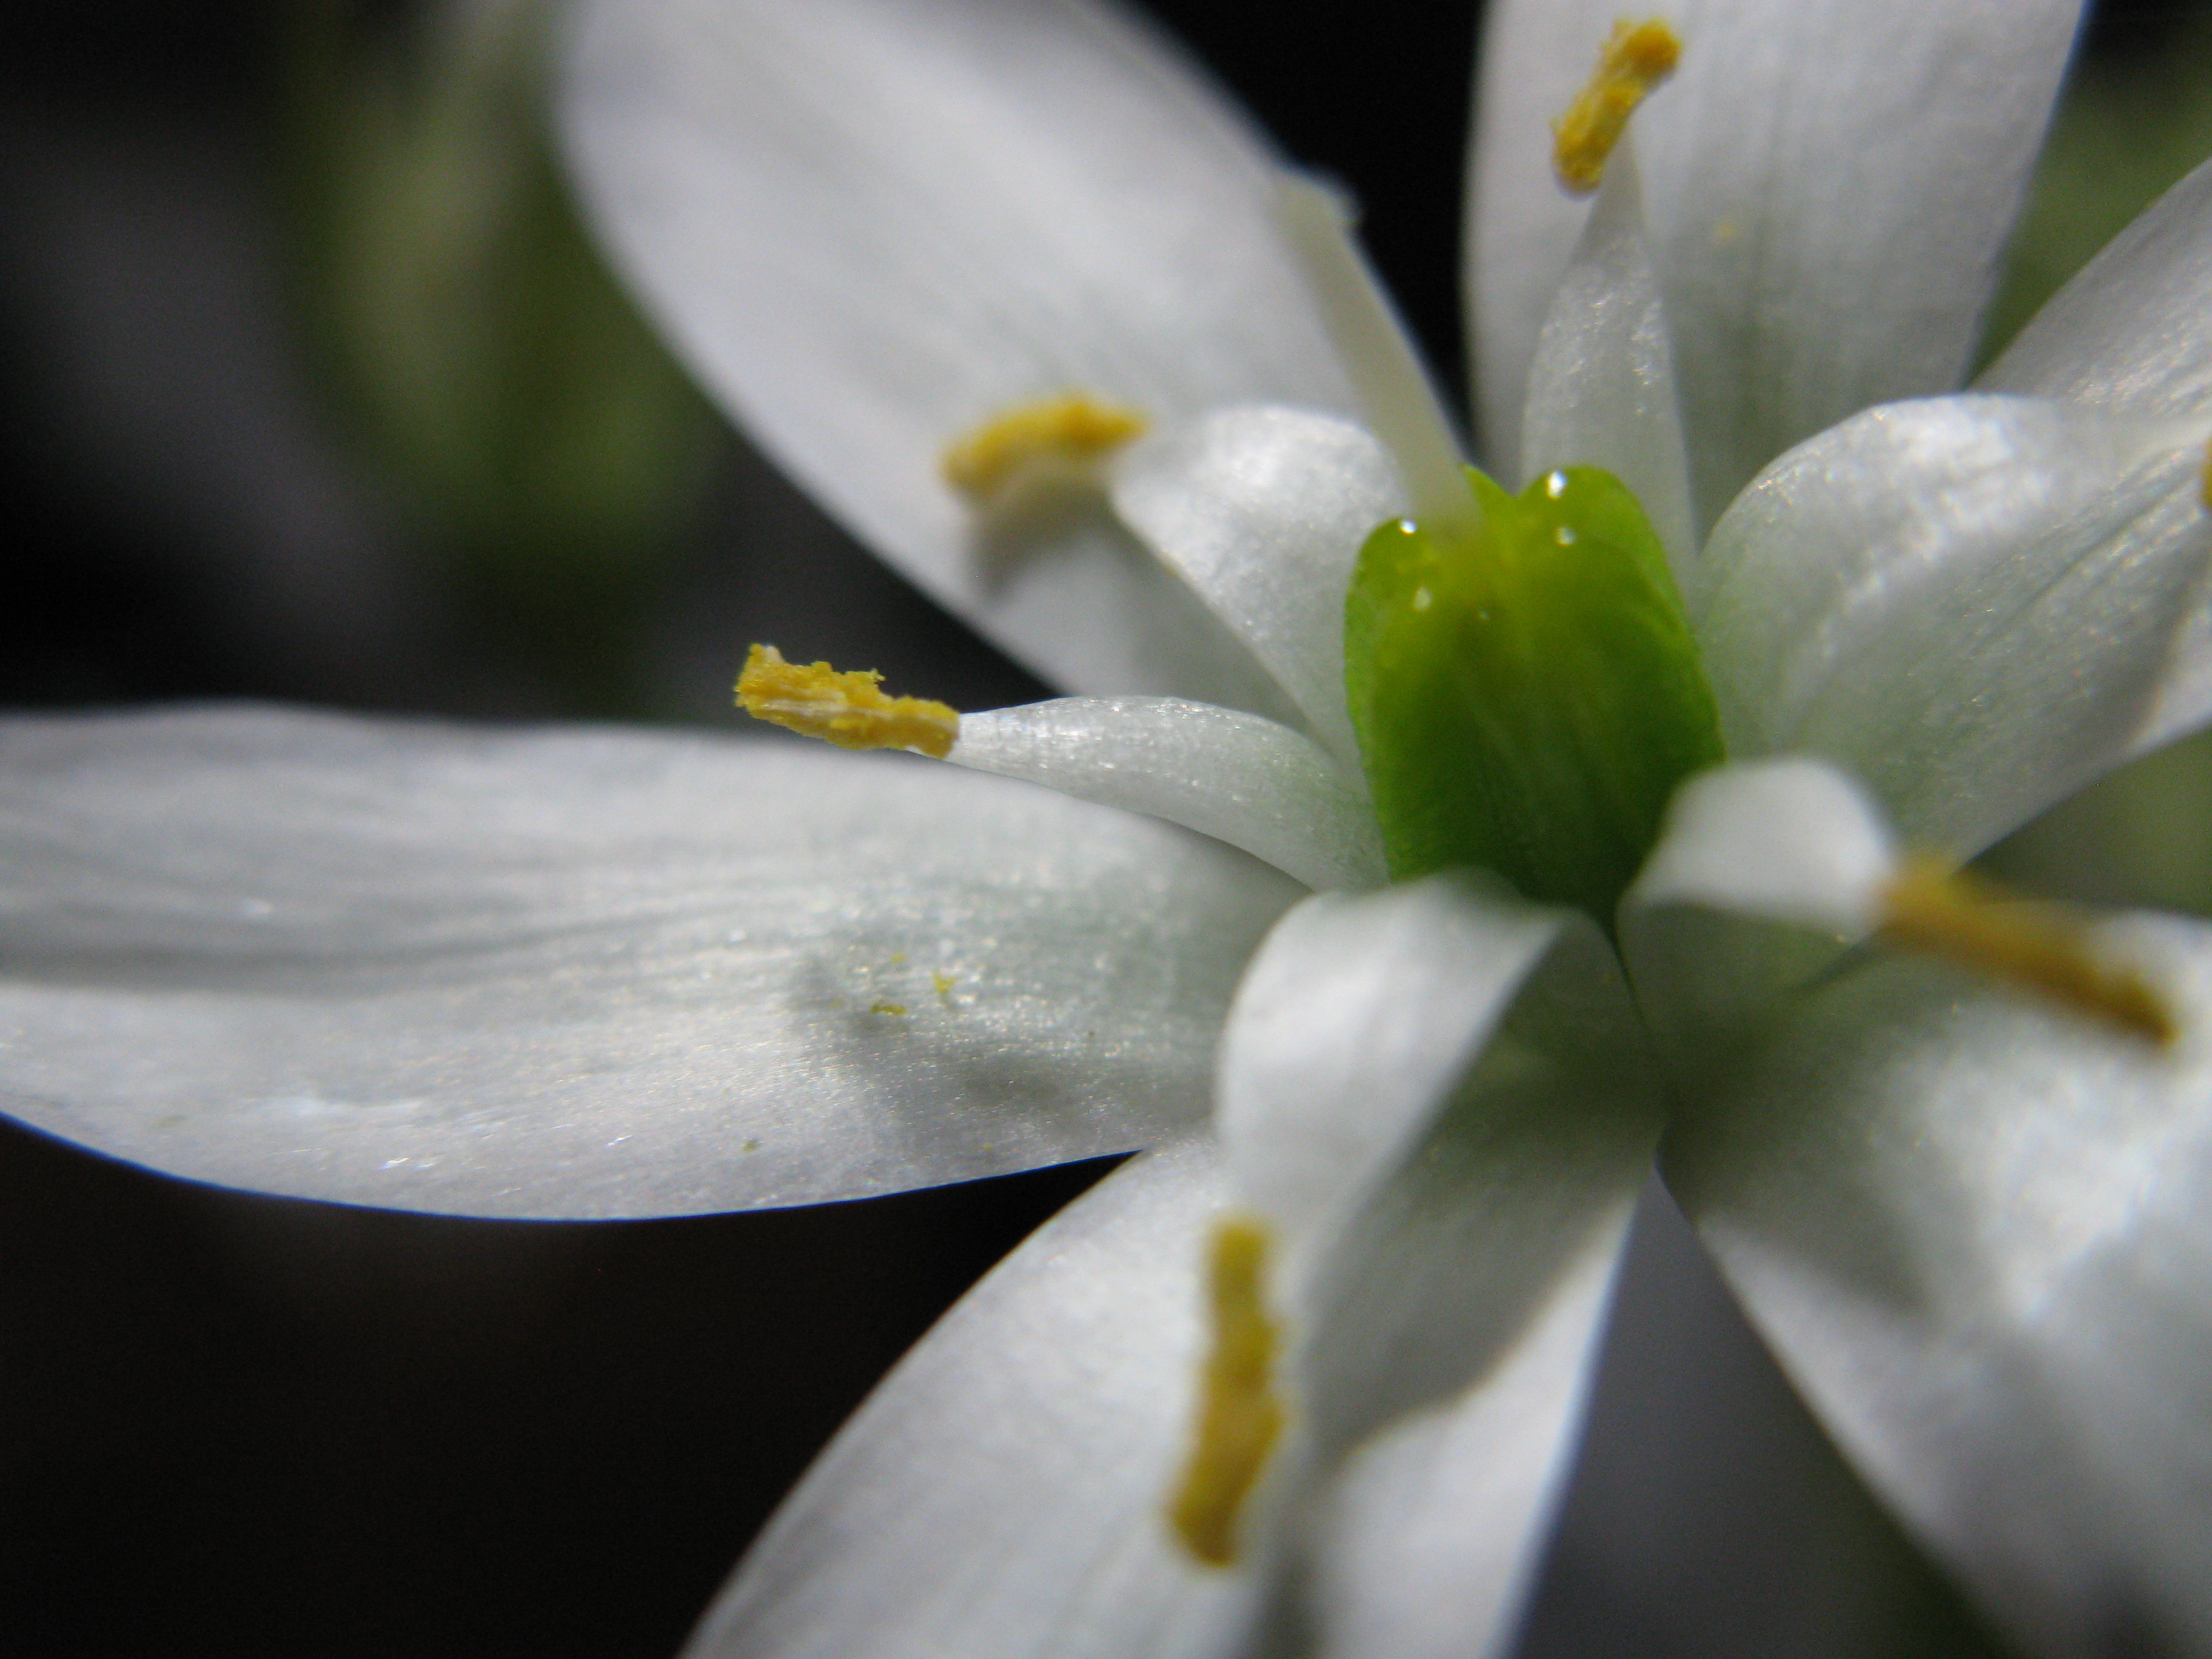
{"x":1829,"y":185}
{"x":1442,"y":1101}
{"x":1400,"y":401}
{"x":1263,"y":510}
{"x":1972,"y":603}
{"x":2132,"y":330}
{"x":588,"y":973}
{"x":1601,"y":389}
{"x":1236,"y":777}
{"x":1001,"y":1495}
{"x":1521,"y":227}
{"x":1430,"y":1536}
{"x":1978,"y":1233}
{"x":870,"y":225}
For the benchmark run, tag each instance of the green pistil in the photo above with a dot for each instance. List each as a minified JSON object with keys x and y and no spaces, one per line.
{"x":1526,"y":692}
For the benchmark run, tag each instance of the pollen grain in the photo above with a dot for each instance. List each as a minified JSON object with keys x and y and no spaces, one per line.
{"x":1635,"y":58}
{"x":1240,"y":1415}
{"x":1968,"y":921}
{"x":849,"y":709}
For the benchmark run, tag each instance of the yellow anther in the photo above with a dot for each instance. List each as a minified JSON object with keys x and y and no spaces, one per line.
{"x":1240,"y":1416}
{"x":1967,"y":921}
{"x":2204,"y":480}
{"x":1636,"y":57}
{"x":1053,"y":440}
{"x":849,"y":710}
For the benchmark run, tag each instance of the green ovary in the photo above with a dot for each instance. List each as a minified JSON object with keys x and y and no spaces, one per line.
{"x":1526,"y":692}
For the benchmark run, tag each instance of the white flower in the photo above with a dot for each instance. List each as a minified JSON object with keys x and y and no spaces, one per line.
{"x":593,"y":975}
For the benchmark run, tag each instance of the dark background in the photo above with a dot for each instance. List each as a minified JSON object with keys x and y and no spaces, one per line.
{"x":252,"y":1426}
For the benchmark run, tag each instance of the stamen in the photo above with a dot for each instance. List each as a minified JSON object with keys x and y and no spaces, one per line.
{"x":1395,"y":392}
{"x":1634,"y":61}
{"x":1967,"y":921}
{"x":846,"y":709}
{"x":1240,"y":1416}
{"x":1060,"y":440}
{"x":2204,"y":480}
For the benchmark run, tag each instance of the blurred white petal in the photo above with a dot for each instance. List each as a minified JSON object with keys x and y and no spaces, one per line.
{"x":871,"y":225}
{"x":1972,"y":602}
{"x":1264,"y":510}
{"x":1829,"y":184}
{"x":589,"y":973}
{"x":1792,"y":840}
{"x":1443,"y":1101}
{"x":2131,"y":332}
{"x":1001,"y":1495}
{"x":1234,"y":776}
{"x":1978,"y":1232}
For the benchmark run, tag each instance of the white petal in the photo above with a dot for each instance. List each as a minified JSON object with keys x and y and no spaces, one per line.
{"x":1979,"y":1234}
{"x":587,"y":973}
{"x":1001,"y":1494}
{"x":1431,"y":1533}
{"x":1791,"y":839}
{"x":1972,"y":603}
{"x":1354,"y":1025}
{"x":1829,"y":185}
{"x":1765,"y":873}
{"x":1601,"y":389}
{"x":1443,"y":1102}
{"x":870,"y":225}
{"x":1244,"y":779}
{"x":1264,"y":510}
{"x":2132,"y":330}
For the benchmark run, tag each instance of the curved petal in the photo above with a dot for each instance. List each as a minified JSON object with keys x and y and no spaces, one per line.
{"x":2131,"y":332}
{"x":870,"y":225}
{"x":585,"y":973}
{"x":1442,"y":1101}
{"x":1974,"y":1225}
{"x":1829,"y":185}
{"x":1976,"y":1231}
{"x":1263,"y":510}
{"x":1241,"y":779}
{"x":1001,"y":1495}
{"x":1601,"y":388}
{"x":1974,"y":603}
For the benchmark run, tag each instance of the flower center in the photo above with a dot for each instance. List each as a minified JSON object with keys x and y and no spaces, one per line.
{"x":1634,"y":59}
{"x":1525,"y":687}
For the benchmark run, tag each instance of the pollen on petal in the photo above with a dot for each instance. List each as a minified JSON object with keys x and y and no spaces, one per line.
{"x":1060,"y":440}
{"x":1240,"y":1415}
{"x":1635,"y":58}
{"x":1931,"y":907}
{"x":849,"y":709}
